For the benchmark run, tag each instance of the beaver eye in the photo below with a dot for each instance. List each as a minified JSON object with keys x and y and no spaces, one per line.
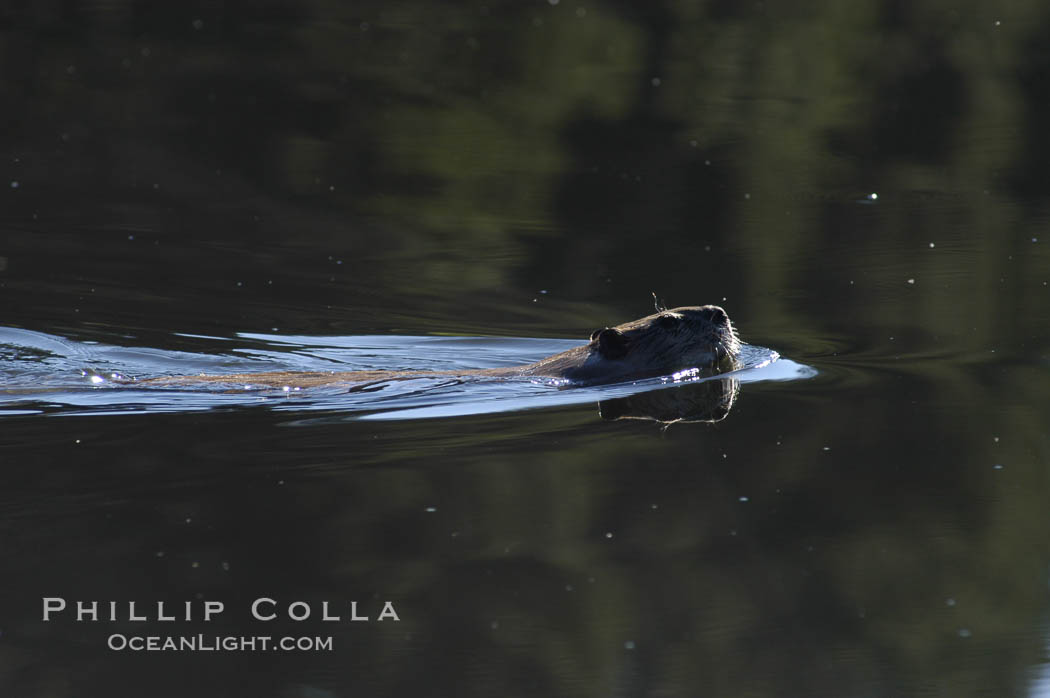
{"x":669,"y":322}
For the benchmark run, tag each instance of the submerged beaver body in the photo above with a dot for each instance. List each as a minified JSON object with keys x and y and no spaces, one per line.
{"x":659,"y":344}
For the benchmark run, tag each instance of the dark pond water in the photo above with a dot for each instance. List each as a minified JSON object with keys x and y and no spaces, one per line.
{"x":232,"y":186}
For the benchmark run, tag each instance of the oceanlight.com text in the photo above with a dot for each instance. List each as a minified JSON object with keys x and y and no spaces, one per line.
{"x":217,"y":643}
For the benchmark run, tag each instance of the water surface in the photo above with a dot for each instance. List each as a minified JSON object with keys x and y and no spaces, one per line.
{"x":227,"y":187}
{"x":43,"y":374}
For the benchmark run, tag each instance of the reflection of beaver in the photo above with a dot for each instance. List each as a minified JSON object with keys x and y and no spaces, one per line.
{"x":706,"y":400}
{"x":659,"y":344}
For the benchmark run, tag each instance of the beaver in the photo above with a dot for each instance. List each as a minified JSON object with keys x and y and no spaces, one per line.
{"x":668,"y":341}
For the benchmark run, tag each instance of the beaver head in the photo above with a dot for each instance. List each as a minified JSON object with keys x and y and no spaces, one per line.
{"x":659,"y":344}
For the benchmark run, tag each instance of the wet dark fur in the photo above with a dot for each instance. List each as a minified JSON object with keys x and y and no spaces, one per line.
{"x":659,"y":344}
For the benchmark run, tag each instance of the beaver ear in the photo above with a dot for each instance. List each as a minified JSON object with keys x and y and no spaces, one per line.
{"x":669,"y":321}
{"x":612,"y":344}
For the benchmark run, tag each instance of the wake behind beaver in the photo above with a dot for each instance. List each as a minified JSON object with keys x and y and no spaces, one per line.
{"x":666,"y":342}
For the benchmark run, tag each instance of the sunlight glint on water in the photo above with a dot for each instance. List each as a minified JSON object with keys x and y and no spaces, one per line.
{"x":58,"y":375}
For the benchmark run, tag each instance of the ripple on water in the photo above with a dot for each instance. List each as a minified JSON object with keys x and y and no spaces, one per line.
{"x":46,"y":374}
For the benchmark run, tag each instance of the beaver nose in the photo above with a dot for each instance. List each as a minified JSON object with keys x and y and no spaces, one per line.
{"x":715,"y":314}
